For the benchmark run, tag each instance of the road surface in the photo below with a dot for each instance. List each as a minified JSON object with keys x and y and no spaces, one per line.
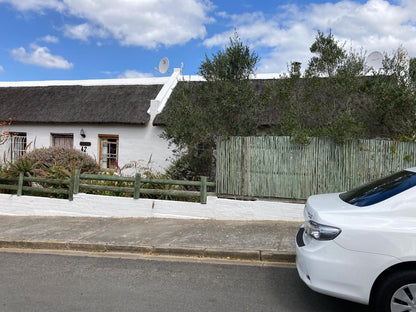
{"x":45,"y":282}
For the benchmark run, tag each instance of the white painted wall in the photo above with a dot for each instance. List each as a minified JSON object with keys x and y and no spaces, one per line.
{"x":121,"y":207}
{"x":139,"y":144}
{"x":136,"y":143}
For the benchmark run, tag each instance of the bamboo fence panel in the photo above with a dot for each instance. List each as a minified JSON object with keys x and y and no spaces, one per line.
{"x":268,"y":166}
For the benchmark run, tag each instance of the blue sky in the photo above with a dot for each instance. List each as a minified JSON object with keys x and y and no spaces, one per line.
{"x":98,"y":39}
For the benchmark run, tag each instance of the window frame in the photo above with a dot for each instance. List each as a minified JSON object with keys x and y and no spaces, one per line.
{"x":102,"y":138}
{"x":55,"y":135}
{"x":16,"y":154}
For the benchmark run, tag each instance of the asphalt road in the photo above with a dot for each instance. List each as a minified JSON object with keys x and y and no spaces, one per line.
{"x":40,"y":282}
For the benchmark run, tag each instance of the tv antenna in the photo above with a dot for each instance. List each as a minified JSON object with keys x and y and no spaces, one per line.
{"x":375,"y":61}
{"x":163,"y":66}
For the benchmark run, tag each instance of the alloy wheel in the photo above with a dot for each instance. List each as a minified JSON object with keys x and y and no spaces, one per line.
{"x":404,"y":299}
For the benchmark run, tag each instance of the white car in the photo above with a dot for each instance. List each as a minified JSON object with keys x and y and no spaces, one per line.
{"x":361,"y":245}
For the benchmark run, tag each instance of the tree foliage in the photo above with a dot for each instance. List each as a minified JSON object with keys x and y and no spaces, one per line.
{"x":224,"y":105}
{"x":412,"y":69}
{"x":336,"y":97}
{"x":235,"y":62}
{"x":339,"y":98}
{"x":392,"y":112}
{"x":330,"y":55}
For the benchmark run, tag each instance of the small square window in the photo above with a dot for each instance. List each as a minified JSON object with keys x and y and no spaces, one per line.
{"x":63,"y":139}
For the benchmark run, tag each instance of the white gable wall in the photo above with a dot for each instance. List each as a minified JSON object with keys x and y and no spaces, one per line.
{"x":136,"y":143}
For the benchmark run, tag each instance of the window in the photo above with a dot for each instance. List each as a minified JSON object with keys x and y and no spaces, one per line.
{"x":108,"y":151}
{"x":18,"y":145}
{"x":381,"y":189}
{"x":63,"y":139}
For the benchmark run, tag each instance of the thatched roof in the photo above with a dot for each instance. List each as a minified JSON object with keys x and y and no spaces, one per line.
{"x":268,"y":117}
{"x":110,"y":104}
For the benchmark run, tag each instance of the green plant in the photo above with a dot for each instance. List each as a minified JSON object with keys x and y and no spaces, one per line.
{"x":25,"y":166}
{"x":336,"y":97}
{"x":52,"y":163}
{"x":393,"y":149}
{"x":224,"y":105}
{"x":56,"y":158}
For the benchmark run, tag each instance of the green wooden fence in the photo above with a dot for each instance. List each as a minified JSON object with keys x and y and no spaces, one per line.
{"x":79,"y":182}
{"x":17,"y":184}
{"x":268,"y":166}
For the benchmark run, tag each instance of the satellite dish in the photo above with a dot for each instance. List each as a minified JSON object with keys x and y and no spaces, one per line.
{"x":375,"y":60}
{"x":163,"y":66}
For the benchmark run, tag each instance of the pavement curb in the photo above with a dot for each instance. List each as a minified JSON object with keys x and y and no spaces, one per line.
{"x":231,"y":254}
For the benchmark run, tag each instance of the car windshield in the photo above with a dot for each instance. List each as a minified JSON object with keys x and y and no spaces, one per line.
{"x":379,"y":190}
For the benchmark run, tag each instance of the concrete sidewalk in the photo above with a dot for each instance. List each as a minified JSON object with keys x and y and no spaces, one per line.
{"x":248,"y":240}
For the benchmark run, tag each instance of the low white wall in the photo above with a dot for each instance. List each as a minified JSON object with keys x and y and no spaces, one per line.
{"x":109,"y":206}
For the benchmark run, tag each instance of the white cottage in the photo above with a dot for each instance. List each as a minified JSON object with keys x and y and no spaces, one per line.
{"x":111,"y":120}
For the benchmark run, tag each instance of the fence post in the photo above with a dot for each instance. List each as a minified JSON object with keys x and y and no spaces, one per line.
{"x":76,"y":181}
{"x":203,"y":198}
{"x":71,"y":188}
{"x":20,"y":185}
{"x":137,"y":186}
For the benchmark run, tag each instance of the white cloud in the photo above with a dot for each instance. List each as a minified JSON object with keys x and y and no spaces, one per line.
{"x":146,"y":23}
{"x":49,"y":39}
{"x":149,"y":23}
{"x":36,"y":5}
{"x":1,"y":69}
{"x":287,"y":36}
{"x":83,"y":32}
{"x":135,"y":74}
{"x":40,"y":56}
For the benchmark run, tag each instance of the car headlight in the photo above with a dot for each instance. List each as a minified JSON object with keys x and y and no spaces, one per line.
{"x":320,"y":231}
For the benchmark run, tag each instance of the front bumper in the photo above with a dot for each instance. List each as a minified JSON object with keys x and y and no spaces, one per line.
{"x":332,"y":270}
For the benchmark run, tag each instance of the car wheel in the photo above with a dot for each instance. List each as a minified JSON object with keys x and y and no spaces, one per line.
{"x":397,"y":293}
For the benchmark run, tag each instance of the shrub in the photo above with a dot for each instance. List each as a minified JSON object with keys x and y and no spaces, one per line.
{"x":53,"y":162}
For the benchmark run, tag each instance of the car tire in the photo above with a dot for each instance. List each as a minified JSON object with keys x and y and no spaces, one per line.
{"x":397,"y":292}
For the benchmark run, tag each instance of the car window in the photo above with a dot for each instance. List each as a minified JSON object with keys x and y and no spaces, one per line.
{"x":379,"y":190}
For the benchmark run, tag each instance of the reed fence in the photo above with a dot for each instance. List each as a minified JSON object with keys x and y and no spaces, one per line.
{"x":268,"y":166}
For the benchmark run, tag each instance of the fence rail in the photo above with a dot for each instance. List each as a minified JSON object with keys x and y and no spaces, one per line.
{"x":74,"y":185}
{"x":20,"y":187}
{"x":270,"y":166}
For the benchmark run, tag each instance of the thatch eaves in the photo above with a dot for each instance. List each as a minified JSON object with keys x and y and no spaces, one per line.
{"x":110,"y":104}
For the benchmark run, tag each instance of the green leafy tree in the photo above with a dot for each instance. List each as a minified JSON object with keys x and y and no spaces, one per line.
{"x":330,"y":54}
{"x":338,"y":98}
{"x":393,"y":105}
{"x":235,"y":62}
{"x":412,"y":69}
{"x":224,"y":105}
{"x":323,"y":101}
